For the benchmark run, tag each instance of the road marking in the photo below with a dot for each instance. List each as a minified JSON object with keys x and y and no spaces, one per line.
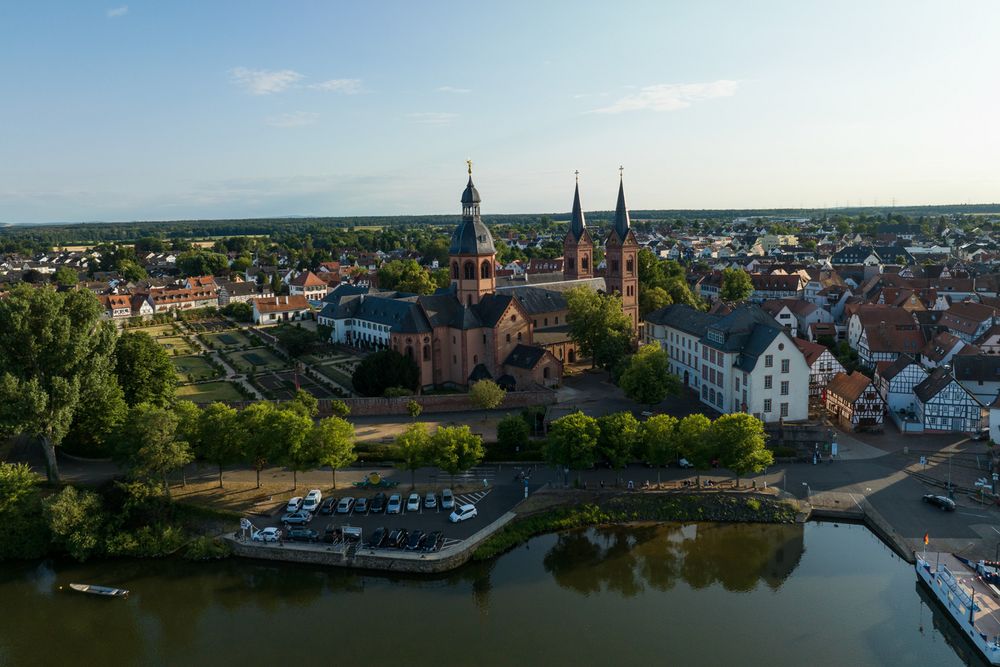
{"x":856,"y":502}
{"x":971,"y":514}
{"x":994,"y":528}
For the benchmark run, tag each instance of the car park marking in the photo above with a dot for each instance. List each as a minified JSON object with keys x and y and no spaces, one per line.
{"x":983,"y":516}
{"x":471,"y":498}
{"x":450,"y":542}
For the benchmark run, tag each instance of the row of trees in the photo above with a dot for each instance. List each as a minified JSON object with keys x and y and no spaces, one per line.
{"x":736,"y":441}
{"x":453,"y":449}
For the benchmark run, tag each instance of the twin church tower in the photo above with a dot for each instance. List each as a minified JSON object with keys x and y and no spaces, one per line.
{"x":473,"y":254}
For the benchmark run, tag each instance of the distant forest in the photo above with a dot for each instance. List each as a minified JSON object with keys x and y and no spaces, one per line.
{"x":43,"y":236}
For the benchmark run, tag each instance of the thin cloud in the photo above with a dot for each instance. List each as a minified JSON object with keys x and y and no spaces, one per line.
{"x":671,"y":96}
{"x":118,"y":11}
{"x":432,"y":118}
{"x":451,"y":89}
{"x":262,"y":81}
{"x":342,"y":86}
{"x":293,"y":119}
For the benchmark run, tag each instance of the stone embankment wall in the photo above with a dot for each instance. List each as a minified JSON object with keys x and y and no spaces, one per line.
{"x":369,"y":559}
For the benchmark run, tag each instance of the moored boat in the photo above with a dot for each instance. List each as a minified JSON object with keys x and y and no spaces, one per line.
{"x":972,"y":601}
{"x":100,"y":590}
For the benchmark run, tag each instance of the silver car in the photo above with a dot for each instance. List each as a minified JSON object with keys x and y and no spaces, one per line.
{"x":447,"y":499}
{"x":430,"y":500}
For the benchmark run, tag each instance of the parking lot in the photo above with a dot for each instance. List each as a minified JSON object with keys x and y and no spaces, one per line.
{"x":491,"y":502}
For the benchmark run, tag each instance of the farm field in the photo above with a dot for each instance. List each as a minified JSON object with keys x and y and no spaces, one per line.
{"x":257,"y":359}
{"x":194,"y":368}
{"x":209,"y":392}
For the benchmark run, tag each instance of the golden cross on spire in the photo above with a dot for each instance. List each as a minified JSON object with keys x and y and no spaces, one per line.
{"x":577,"y":174}
{"x":621,"y":171}
{"x":469,"y":162}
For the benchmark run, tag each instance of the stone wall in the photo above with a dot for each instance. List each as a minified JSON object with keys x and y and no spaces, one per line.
{"x":514,"y":400}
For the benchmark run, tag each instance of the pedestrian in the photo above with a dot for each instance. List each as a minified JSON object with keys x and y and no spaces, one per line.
{"x":602,"y":485}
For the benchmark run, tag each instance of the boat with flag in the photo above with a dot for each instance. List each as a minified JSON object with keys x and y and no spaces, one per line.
{"x":969,"y":597}
{"x":105,"y":591}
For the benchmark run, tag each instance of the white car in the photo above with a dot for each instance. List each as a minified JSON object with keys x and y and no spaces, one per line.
{"x":270,"y":534}
{"x":294,"y":505}
{"x":684,"y":463}
{"x":447,"y":500}
{"x":413,"y":503}
{"x":462,"y":513}
{"x":313,"y":500}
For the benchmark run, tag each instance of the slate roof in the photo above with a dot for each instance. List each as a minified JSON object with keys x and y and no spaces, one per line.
{"x":400,"y":315}
{"x":938,"y":379}
{"x":894,"y":368}
{"x":849,"y":387}
{"x":578,"y":224}
{"x":981,"y":368}
{"x":682,"y":317}
{"x":939,"y":346}
{"x":524,"y":356}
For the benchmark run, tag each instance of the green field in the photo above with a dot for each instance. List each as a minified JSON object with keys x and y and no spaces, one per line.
{"x":194,"y":367}
{"x":260,"y":358}
{"x":175,"y":345}
{"x":227,"y":340}
{"x":158,"y":330}
{"x":208,"y":392}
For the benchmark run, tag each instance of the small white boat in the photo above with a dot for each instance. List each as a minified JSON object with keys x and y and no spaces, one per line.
{"x":100,"y":590}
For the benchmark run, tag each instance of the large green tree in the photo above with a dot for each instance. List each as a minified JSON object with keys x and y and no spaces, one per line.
{"x":413,"y":449}
{"x":260,"y":447}
{"x":332,"y":441}
{"x":618,"y":438}
{"x":741,"y":441}
{"x":406,"y":275}
{"x":456,"y":449}
{"x":383,"y":370}
{"x":149,"y":447}
{"x":647,"y":377}
{"x":54,"y":350}
{"x":598,"y":326}
{"x":76,"y":519}
{"x":202,"y":262}
{"x":660,"y":442}
{"x":221,"y":436}
{"x":736,"y":285}
{"x":486,"y":395}
{"x":144,"y":369}
{"x":572,"y":441}
{"x":697,"y":446}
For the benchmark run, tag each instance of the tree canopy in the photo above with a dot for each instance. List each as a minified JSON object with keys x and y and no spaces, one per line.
{"x":741,"y":440}
{"x":382,"y":370}
{"x":455,"y":449}
{"x":486,"y":394}
{"x":572,"y":441}
{"x":619,"y":435}
{"x":647,"y":377}
{"x":736,"y":285}
{"x":406,"y":275}
{"x":144,"y":370}
{"x":413,"y":449}
{"x":598,"y":326}
{"x":332,"y":441}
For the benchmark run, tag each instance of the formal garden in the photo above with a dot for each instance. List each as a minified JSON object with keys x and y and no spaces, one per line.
{"x":227,"y":340}
{"x":195,"y":368}
{"x":255,"y":360}
{"x":208,"y":392}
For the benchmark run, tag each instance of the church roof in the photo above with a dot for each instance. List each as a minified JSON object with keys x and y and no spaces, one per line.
{"x":471,"y":237}
{"x":524,"y":356}
{"x":471,"y":194}
{"x":622,"y":223}
{"x":577,"y":225}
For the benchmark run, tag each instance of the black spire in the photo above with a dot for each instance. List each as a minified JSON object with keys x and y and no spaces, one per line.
{"x":578,"y":225}
{"x":621,"y":213}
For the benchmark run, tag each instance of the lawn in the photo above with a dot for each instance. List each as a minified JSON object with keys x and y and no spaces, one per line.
{"x":335,"y":374}
{"x":158,"y":330}
{"x":259,"y":358}
{"x":208,"y":392}
{"x":175,"y":345}
{"x":227,"y":340}
{"x":194,"y":368}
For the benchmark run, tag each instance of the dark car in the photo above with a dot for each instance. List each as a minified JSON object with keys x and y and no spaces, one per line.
{"x":331,"y":534}
{"x":377,"y":504}
{"x":397,"y":539}
{"x":302,"y":535}
{"x":378,"y":538}
{"x":299,"y":518}
{"x":433,"y":541}
{"x":945,"y":503}
{"x":329,"y":506}
{"x":416,"y":540}
{"x":360,"y":505}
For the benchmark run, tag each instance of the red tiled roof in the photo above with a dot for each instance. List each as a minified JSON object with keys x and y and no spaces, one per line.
{"x":280,"y":304}
{"x":308,"y":279}
{"x":849,"y":387}
{"x":811,"y":351}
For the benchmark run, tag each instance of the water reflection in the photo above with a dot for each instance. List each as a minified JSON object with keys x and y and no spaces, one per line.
{"x":627,"y":560}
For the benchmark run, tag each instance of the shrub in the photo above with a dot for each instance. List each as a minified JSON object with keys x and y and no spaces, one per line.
{"x":512,"y":433}
{"x":207,"y":548}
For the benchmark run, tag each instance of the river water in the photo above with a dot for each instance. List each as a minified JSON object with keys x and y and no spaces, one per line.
{"x":695,"y":594}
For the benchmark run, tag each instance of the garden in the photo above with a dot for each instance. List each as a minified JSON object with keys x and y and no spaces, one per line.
{"x":255,"y":360}
{"x":227,"y":340}
{"x":209,"y":392}
{"x":195,"y":368}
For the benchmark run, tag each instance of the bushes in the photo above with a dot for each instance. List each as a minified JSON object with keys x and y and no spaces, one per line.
{"x":512,"y":433}
{"x":207,"y":548}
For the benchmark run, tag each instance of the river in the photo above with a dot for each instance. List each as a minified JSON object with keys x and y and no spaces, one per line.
{"x":697,"y":594}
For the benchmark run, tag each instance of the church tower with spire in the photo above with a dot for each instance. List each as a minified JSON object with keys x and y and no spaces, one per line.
{"x":472,"y":254}
{"x":578,"y":247}
{"x":621,"y":253}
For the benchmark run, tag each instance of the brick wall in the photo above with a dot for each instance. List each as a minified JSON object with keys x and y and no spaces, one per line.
{"x":444,"y":403}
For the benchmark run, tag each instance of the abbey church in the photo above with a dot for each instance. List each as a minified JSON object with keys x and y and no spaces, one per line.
{"x":474,"y":329}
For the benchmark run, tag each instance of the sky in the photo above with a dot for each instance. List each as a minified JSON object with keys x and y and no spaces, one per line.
{"x":175,"y":110}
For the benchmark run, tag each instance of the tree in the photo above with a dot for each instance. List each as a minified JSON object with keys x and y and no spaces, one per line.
{"x":290,"y":428}
{"x":653,"y":298}
{"x":303,"y":403}
{"x":413,"y":449}
{"x":736,"y":285}
{"x":130,"y":270}
{"x":102,"y":409}
{"x":512,"y":433}
{"x":65,"y":277}
{"x":647,"y":378}
{"x":598,"y":325}
{"x":62,"y":349}
{"x":486,"y":395}
{"x":17,"y":482}
{"x":697,"y":447}
{"x":382,"y":370}
{"x":339,"y":408}
{"x":148,"y":445}
{"x":76,"y":519}
{"x":221,"y":436}
{"x":239,"y":311}
{"x":332,"y":440}
{"x":660,"y":441}
{"x":413,"y":409}
{"x":740,"y":440}
{"x":619,"y":435}
{"x":456,"y":449}
{"x":406,"y":275}
{"x":296,"y":340}
{"x":144,"y":369}
{"x":260,"y":446}
{"x":572,"y":441}
{"x":201,"y":263}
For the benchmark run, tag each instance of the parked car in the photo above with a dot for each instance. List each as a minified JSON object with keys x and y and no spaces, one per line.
{"x":312,"y":501}
{"x":299,"y":518}
{"x":294,"y":505}
{"x":684,"y":463}
{"x":378,"y":538}
{"x":331,"y":534}
{"x":378,"y":503}
{"x":302,"y":535}
{"x":463,"y":513}
{"x":415,"y":540}
{"x":269,"y":534}
{"x":944,"y":502}
{"x":430,"y":501}
{"x":447,"y":500}
{"x":329,"y":506}
{"x":345,"y":505}
{"x":396,"y":539}
{"x":433,"y":541}
{"x":413,"y":503}
{"x":394,"y":505}
{"x":360,"y":505}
